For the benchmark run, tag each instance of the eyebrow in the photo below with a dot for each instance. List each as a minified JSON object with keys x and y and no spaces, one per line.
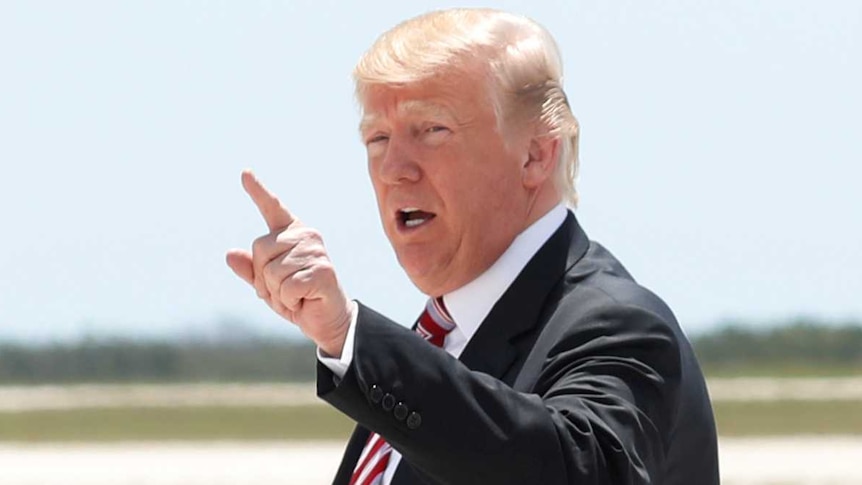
{"x":367,"y":120}
{"x":410,"y":107}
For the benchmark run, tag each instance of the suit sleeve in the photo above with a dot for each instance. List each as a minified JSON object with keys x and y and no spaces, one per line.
{"x":599,"y":412}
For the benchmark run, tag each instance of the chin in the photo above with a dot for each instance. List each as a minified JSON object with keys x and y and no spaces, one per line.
{"x":419,"y":280}
{"x":424,"y":289}
{"x":422,"y":280}
{"x":425,"y":271}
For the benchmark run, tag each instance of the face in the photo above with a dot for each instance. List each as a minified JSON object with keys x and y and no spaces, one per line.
{"x":449,"y":188}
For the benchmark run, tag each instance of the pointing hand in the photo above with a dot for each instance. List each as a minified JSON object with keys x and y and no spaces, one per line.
{"x":290,"y":270}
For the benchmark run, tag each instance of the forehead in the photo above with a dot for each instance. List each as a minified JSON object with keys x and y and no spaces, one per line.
{"x":446,"y":97}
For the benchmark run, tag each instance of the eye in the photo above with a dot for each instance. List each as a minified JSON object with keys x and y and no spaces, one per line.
{"x":376,"y":139}
{"x":435,"y":135}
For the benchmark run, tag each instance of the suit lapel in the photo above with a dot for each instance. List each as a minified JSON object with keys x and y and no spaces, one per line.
{"x":494,"y":347}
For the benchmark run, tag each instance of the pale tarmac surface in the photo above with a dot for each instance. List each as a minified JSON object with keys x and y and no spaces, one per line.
{"x":745,"y":461}
{"x":64,"y":397}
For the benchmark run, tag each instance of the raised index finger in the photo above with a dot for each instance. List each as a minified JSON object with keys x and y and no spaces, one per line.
{"x":274,"y":213}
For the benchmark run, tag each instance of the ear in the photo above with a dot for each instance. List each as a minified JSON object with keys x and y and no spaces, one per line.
{"x":541,"y":160}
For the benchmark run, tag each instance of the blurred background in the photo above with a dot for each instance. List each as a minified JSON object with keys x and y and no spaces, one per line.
{"x":720,"y":160}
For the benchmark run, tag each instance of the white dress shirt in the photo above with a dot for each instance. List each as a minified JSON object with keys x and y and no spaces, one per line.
{"x":470,"y":304}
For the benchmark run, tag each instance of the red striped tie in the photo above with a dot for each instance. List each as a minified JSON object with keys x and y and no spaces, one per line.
{"x":434,"y":324}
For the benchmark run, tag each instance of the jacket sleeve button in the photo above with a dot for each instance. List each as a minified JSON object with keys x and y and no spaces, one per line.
{"x":388,"y":402}
{"x":400,"y":411}
{"x":375,"y":394}
{"x":414,"y":420}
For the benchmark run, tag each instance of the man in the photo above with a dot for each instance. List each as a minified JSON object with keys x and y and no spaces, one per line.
{"x":557,"y":367}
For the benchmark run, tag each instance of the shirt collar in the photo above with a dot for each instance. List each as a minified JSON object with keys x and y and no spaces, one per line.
{"x":470,"y":304}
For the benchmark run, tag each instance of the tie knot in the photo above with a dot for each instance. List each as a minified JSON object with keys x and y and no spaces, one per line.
{"x":435,"y":322}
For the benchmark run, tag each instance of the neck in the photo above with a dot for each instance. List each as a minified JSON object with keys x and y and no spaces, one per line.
{"x":542,"y":201}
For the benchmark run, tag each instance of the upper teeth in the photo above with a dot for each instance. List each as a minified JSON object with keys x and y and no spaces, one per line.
{"x":412,"y":222}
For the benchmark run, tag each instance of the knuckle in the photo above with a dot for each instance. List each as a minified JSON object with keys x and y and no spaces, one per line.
{"x":259,"y":245}
{"x":270,"y":277}
{"x":286,"y":238}
{"x":319,"y":253}
{"x":322,"y":272}
{"x":309,"y":234}
{"x":268,"y":272}
{"x":308,"y":276}
{"x":324,"y":267}
{"x":297,"y":281}
{"x":262,"y":290}
{"x":287,"y":292}
{"x":276,"y":305}
{"x":291,"y":286}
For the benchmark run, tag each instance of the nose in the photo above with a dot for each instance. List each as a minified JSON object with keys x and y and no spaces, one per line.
{"x":399,"y":164}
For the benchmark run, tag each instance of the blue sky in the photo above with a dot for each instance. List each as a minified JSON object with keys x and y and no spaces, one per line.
{"x":720,"y":154}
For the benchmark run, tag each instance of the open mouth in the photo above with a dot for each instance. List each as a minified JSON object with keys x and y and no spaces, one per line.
{"x":411,"y":217}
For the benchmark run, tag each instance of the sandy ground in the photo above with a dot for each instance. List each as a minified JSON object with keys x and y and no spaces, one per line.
{"x":64,"y":397}
{"x":748,"y":461}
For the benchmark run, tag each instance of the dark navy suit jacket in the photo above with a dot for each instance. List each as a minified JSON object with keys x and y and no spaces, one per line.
{"x":577,"y":376}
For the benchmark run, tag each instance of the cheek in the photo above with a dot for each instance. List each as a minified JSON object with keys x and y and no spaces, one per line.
{"x":379,"y":194}
{"x":495,"y":180}
{"x":371,"y":166}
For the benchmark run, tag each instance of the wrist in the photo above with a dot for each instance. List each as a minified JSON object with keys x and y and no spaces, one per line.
{"x":333,"y":346}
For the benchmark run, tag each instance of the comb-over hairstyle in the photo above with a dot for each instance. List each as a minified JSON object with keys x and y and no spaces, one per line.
{"x":518,"y":56}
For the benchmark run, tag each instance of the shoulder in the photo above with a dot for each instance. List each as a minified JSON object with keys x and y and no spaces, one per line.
{"x":599,"y":282}
{"x":602,"y":314}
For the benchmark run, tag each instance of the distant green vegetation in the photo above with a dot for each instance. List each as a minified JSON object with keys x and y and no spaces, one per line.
{"x":802,"y":348}
{"x":114,"y":361}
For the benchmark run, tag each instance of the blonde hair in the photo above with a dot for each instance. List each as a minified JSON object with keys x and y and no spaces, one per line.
{"x":518,"y":55}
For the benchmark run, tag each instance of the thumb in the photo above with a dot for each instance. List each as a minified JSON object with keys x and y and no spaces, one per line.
{"x":240,"y":262}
